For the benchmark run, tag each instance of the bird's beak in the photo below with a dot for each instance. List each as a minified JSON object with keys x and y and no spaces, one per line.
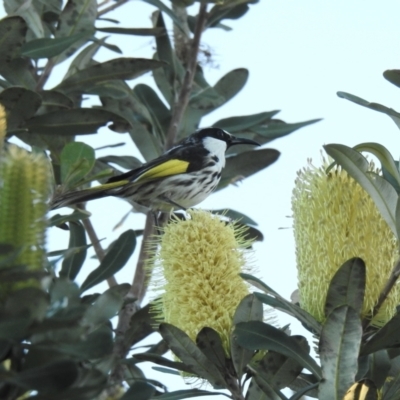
{"x":234,"y":140}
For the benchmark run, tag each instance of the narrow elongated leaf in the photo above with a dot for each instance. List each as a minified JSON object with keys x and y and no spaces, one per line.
{"x":249,"y":309}
{"x":49,"y":378}
{"x":254,"y":392}
{"x":245,"y":164}
{"x":160,"y":115}
{"x":275,"y":300}
{"x":268,"y":387}
{"x":301,"y":393}
{"x":210,"y":343}
{"x":133,"y":31}
{"x":139,"y":390}
{"x":347,"y":286}
{"x":187,"y":394}
{"x":373,"y":106}
{"x":383,"y":155}
{"x":59,"y":219}
{"x":127,"y":162}
{"x":12,"y":37}
{"x":119,"y":68}
{"x":107,"y":305}
{"x":231,"y":83}
{"x":256,"y":335}
{"x":191,"y":355}
{"x":77,"y":239}
{"x":383,"y":194}
{"x":20,"y":104}
{"x":277,"y":128}
{"x":238,"y":124}
{"x":79,"y":121}
{"x":393,"y":76}
{"x":155,"y":358}
{"x":279,"y":370}
{"x":77,"y":160}
{"x":116,"y":257}
{"x":47,"y":48}
{"x":338,"y":348}
{"x":379,"y":367}
{"x":387,"y":337}
{"x":162,"y":7}
{"x":77,"y":17}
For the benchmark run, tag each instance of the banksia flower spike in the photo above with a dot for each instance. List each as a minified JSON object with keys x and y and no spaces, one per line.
{"x":335,"y":219}
{"x":24,"y":192}
{"x":200,"y":261}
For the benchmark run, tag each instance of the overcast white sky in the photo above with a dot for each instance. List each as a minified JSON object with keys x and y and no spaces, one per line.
{"x":299,"y":53}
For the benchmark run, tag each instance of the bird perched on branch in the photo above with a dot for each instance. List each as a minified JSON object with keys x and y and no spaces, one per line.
{"x":179,"y":179}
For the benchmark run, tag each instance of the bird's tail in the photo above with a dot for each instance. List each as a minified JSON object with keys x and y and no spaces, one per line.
{"x":78,"y":196}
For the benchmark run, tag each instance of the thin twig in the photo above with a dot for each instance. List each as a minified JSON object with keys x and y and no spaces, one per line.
{"x":100,"y":253}
{"x":184,"y":94}
{"x":384,"y":293}
{"x":45,"y":75}
{"x":111,"y":8}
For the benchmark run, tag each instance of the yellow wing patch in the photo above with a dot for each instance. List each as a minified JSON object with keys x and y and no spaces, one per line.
{"x":167,"y":168}
{"x":111,"y":185}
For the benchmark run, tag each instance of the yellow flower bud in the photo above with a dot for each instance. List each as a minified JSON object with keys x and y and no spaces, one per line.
{"x":200,"y":260}
{"x":335,"y":219}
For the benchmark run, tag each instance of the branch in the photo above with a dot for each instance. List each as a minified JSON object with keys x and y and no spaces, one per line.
{"x":100,"y":253}
{"x":184,"y":94}
{"x":45,"y":75}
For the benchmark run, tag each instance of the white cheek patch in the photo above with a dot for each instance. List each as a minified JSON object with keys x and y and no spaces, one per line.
{"x":216,"y":147}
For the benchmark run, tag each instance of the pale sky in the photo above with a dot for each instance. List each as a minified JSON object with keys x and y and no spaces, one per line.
{"x":299,"y":54}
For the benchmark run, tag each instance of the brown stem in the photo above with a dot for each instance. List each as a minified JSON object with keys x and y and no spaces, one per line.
{"x":183,"y":98}
{"x":384,"y":293}
{"x":97,"y":246}
{"x":45,"y":75}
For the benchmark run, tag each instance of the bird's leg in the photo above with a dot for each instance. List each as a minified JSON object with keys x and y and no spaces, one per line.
{"x":173,"y":203}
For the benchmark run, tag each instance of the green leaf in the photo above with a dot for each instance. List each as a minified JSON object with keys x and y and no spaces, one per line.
{"x":78,"y":121}
{"x":107,"y":305}
{"x":256,"y":335}
{"x":21,"y":104}
{"x":387,"y":337}
{"x":279,"y":370}
{"x":142,"y":324}
{"x":54,"y":101}
{"x":347,"y":287}
{"x":210,"y":343}
{"x":77,"y":17}
{"x":186,"y":394}
{"x":238,"y":124}
{"x":338,"y":349}
{"x":393,"y":76}
{"x":302,"y":392}
{"x":373,"y":106}
{"x":12,"y":37}
{"x":160,"y":115}
{"x":245,"y":164}
{"x":381,"y":192}
{"x":379,"y":367}
{"x":162,"y":7}
{"x":77,"y":240}
{"x":383,"y":156}
{"x":127,"y":162}
{"x":77,"y":160}
{"x":266,"y":385}
{"x":59,"y":219}
{"x":139,"y":391}
{"x":133,"y":31}
{"x":119,"y":68}
{"x":155,"y":358}
{"x":249,"y":309}
{"x":254,"y":392}
{"x":275,"y":300}
{"x":49,"y":378}
{"x":116,"y":257}
{"x":181,"y":344}
{"x":47,"y":48}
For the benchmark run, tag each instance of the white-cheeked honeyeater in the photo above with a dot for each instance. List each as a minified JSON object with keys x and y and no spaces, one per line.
{"x":179,"y":179}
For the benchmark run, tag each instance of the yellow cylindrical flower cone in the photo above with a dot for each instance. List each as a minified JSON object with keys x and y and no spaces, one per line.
{"x":25,"y":188}
{"x":200,"y":261}
{"x":335,"y":219}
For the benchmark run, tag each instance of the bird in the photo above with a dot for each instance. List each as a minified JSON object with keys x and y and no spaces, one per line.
{"x":180,"y":178}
